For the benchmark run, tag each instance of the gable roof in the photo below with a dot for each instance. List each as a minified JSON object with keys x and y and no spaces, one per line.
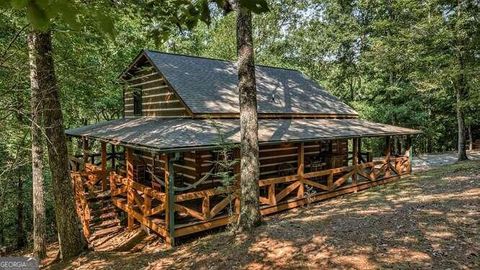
{"x":210,"y":86}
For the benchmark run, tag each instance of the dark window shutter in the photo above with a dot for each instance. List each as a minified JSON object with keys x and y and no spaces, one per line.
{"x":137,"y":102}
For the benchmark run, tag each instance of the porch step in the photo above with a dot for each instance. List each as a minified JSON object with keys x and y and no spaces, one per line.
{"x":98,"y":211}
{"x":98,"y":196}
{"x":104,"y":232}
{"x":103,"y":217}
{"x":103,"y":224}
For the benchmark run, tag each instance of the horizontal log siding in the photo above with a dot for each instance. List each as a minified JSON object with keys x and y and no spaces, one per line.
{"x":158,"y":99}
{"x":184,"y":169}
{"x":274,"y":160}
{"x":277,"y":158}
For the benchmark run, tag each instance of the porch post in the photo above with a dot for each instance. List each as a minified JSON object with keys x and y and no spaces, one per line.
{"x":85,"y":151}
{"x":355,"y":160}
{"x":130,"y":195}
{"x":388,"y":151}
{"x":236,"y":172}
{"x":301,"y":169}
{"x":114,"y":156}
{"x":104,"y":166}
{"x":169,"y":200}
{"x":409,"y":153}
{"x":360,"y":158}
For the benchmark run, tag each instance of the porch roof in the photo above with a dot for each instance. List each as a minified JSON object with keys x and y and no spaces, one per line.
{"x":181,"y":134}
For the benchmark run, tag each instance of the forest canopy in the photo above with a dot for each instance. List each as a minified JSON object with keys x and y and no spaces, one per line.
{"x":395,"y":62}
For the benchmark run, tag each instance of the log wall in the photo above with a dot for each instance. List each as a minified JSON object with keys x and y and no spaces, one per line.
{"x":275,"y":160}
{"x":158,"y":99}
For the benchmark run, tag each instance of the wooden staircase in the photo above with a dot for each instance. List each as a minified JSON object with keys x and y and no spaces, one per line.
{"x":99,"y":217}
{"x":104,"y":218}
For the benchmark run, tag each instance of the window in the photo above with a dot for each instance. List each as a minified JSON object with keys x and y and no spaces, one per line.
{"x":137,"y":102}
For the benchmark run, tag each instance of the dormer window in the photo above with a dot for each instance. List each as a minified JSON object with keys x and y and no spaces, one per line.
{"x":137,"y":102}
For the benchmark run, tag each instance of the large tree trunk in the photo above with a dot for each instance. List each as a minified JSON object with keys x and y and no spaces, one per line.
{"x":249,"y":216}
{"x":39,"y":223}
{"x":70,"y":237}
{"x":21,"y":240}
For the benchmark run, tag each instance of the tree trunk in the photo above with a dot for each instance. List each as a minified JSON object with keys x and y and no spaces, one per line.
{"x":249,"y":216}
{"x":20,"y":215}
{"x":39,"y":223}
{"x":70,"y":237}
{"x":462,"y":149}
{"x":470,"y":138}
{"x":460,"y":92}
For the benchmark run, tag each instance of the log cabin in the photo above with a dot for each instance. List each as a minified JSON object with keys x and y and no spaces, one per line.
{"x":166,"y":164}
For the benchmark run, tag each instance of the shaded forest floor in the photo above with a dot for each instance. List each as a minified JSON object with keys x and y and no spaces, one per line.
{"x":428,"y":221}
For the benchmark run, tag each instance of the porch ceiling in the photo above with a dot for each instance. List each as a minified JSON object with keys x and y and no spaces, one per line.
{"x":175,"y":134}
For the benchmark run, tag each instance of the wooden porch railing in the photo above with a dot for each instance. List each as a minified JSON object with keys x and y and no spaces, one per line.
{"x":82,"y":207}
{"x":139,"y":202}
{"x":209,"y":208}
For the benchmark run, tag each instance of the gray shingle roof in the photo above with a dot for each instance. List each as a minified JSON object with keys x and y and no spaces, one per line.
{"x":168,"y":134}
{"x":209,"y":86}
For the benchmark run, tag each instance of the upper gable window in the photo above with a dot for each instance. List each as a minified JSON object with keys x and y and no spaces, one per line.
{"x":137,"y":102}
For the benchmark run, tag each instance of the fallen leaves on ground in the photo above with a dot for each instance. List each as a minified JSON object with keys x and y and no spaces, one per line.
{"x":428,"y":221}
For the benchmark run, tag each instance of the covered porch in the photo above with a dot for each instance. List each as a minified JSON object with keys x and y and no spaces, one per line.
{"x":153,"y":187}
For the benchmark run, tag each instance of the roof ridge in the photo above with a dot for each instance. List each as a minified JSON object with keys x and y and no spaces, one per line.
{"x":217,"y":59}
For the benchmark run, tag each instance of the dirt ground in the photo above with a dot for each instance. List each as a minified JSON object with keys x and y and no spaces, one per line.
{"x":428,"y":221}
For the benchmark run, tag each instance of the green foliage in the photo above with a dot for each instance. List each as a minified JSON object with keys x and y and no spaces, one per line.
{"x":225,"y":160}
{"x":395,"y":62}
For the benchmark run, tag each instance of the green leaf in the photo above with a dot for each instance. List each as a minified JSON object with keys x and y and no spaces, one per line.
{"x":105,"y":23}
{"x":19,"y":4}
{"x":205,"y":12}
{"x":256,"y":6}
{"x":37,"y":16}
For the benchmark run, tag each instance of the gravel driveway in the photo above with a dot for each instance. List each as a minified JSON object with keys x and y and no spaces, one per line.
{"x":428,"y":161}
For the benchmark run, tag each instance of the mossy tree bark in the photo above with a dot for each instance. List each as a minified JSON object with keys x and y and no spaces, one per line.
{"x":70,"y":237}
{"x":249,"y":216}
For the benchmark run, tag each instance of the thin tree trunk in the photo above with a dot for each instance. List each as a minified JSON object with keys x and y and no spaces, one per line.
{"x":249,"y":216}
{"x":2,"y":233}
{"x":39,"y":221}
{"x":462,"y":149}
{"x":70,"y":237}
{"x":20,"y":215}
{"x":460,"y":91}
{"x":470,"y":138}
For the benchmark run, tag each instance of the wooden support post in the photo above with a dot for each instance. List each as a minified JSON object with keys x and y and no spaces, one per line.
{"x":409,"y":153}
{"x":198,"y":165}
{"x":272,"y":200}
{"x":85,"y":151}
{"x":130,"y":195}
{"x":104,"y":166}
{"x":170,"y":200}
{"x":114,"y":155}
{"x":301,"y":170}
{"x":388,"y":152}
{"x":236,"y":171}
{"x":330,"y":181}
{"x":355,"y":160}
{"x":360,"y":158}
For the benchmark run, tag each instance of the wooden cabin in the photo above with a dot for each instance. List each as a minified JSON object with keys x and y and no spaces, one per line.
{"x":163,"y":164}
